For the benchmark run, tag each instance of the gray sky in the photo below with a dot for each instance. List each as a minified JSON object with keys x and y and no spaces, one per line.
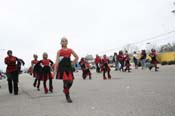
{"x":91,"y":26}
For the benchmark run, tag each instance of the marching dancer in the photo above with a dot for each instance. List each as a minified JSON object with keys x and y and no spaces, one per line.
{"x":12,"y":71}
{"x":127,"y":61}
{"x":46,"y":65}
{"x":120,"y":58}
{"x":63,"y":67}
{"x":97,"y":63}
{"x":153,"y":60}
{"x":105,"y":67}
{"x":85,"y":66}
{"x":35,"y":71}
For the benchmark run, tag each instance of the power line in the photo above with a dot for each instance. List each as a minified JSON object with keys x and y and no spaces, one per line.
{"x":153,"y":38}
{"x":148,"y":39}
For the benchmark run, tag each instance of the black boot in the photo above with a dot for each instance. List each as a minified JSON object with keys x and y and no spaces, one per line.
{"x":34,"y":84}
{"x":68,"y":98}
{"x":15,"y":88}
{"x":150,"y":68}
{"x":10,"y":87}
{"x":156,"y":69}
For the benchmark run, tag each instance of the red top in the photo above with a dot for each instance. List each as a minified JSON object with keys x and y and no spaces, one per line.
{"x":66,"y":52}
{"x":11,"y":64}
{"x":153,"y":54}
{"x":97,"y":60}
{"x":87,"y":65}
{"x":105,"y":60}
{"x":45,"y":62}
{"x":126,"y":57}
{"x":34,"y":62}
{"x":120,"y":57}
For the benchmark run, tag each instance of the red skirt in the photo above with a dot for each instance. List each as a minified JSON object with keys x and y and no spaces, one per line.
{"x":47,"y":76}
{"x":155,"y":62}
{"x":65,"y":76}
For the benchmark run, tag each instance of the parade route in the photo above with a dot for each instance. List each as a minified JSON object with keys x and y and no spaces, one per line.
{"x":139,"y":93}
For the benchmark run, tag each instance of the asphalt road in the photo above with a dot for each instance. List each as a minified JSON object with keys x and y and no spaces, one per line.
{"x":139,"y":93}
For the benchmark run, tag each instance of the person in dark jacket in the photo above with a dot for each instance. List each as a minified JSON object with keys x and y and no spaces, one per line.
{"x":115,"y":60}
{"x":12,"y":71}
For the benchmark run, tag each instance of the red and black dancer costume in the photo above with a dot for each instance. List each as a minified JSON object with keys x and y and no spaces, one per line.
{"x":105,"y":67}
{"x":120,"y":58}
{"x":65,"y":71}
{"x":85,"y":66}
{"x":12,"y":71}
{"x":97,"y":63}
{"x":127,"y":62}
{"x":154,"y":61}
{"x":46,"y":65}
{"x":37,"y":73}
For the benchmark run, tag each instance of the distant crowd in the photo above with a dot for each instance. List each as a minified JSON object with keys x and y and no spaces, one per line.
{"x":46,"y":70}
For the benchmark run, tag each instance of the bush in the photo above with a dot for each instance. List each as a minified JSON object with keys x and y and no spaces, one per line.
{"x":171,"y":62}
{"x":168,"y":63}
{"x":164,"y":63}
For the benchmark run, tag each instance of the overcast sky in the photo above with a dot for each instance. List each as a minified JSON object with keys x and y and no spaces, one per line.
{"x":91,"y":26}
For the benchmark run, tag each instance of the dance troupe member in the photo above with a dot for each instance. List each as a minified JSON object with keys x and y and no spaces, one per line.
{"x":12,"y":71}
{"x":46,"y":72}
{"x":36,"y":70}
{"x":154,"y":61}
{"x":127,"y":61}
{"x":97,"y":63}
{"x":120,"y":58}
{"x":105,"y":67}
{"x":63,"y":67}
{"x":85,"y":66}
